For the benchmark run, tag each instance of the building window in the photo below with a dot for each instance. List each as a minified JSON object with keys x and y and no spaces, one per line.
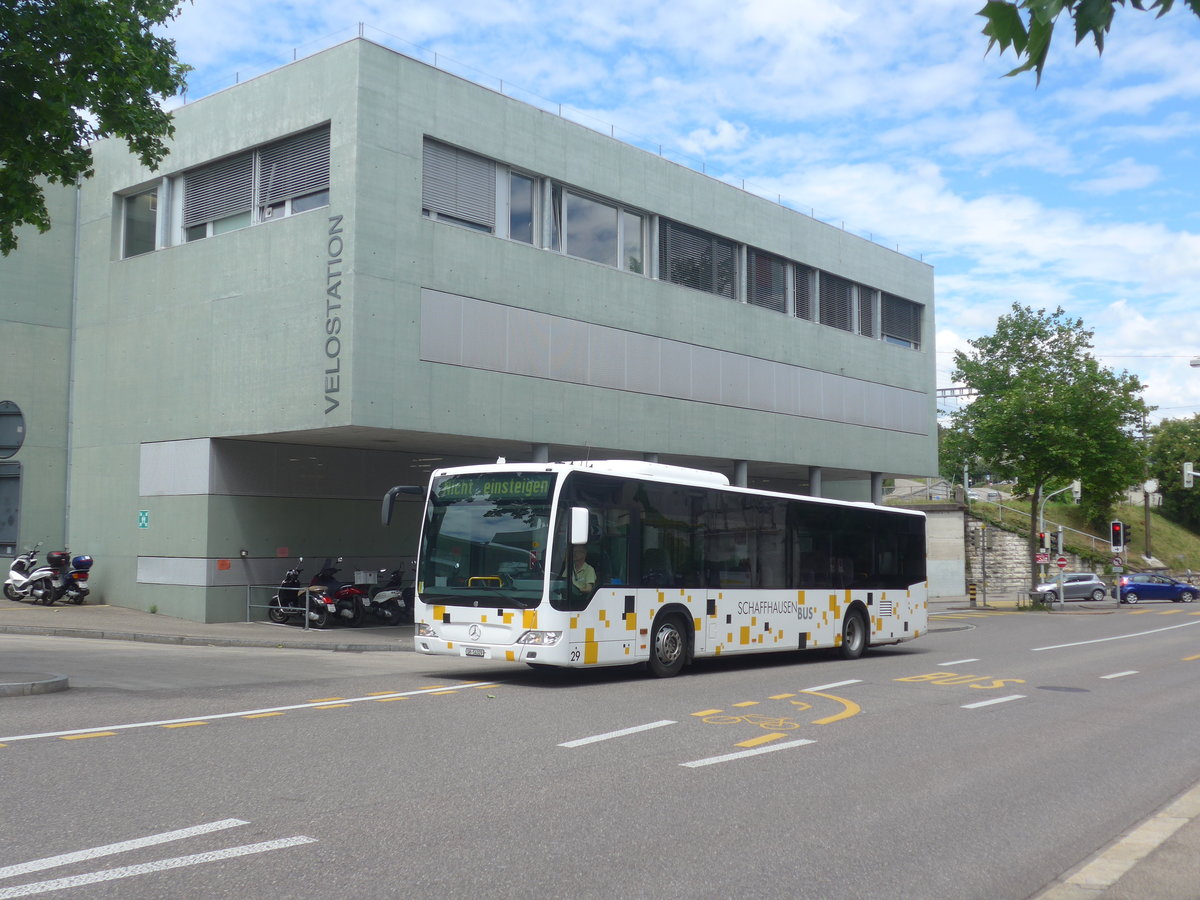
{"x":10,"y":507}
{"x":804,"y":291}
{"x":837,"y":304}
{"x":458,"y":187}
{"x":218,"y":197}
{"x":900,"y":321}
{"x":766,"y":280}
{"x":141,"y":223}
{"x":697,"y":259}
{"x":866,"y":311}
{"x":522,"y":203}
{"x":12,"y":428}
{"x":293,"y":174}
{"x":591,"y":230}
{"x":633,"y":241}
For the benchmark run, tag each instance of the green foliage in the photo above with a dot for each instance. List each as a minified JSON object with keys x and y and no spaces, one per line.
{"x":1048,"y":412}
{"x":72,"y":72}
{"x":1028,"y":25}
{"x":1172,"y":443}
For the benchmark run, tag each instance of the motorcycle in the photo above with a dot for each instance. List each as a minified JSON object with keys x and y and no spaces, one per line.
{"x":75,"y":584}
{"x":29,"y":581}
{"x":294,"y":601}
{"x":391,"y":601}
{"x":341,"y":598}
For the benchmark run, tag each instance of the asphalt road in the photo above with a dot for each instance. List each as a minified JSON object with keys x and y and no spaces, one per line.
{"x":981,"y":761}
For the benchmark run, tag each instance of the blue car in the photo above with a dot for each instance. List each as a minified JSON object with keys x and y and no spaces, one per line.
{"x":1135,"y":587}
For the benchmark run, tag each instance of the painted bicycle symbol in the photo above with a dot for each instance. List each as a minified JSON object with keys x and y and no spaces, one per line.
{"x":771,"y":723}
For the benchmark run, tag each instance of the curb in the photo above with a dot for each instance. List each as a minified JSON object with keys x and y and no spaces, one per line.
{"x":17,"y":684}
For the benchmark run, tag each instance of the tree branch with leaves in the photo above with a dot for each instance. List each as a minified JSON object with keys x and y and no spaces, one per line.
{"x":73,"y":72}
{"x":1027,"y":26}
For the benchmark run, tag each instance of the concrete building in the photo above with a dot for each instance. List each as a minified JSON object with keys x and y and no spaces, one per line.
{"x":359,"y":267}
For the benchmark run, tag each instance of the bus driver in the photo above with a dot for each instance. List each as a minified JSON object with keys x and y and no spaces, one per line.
{"x":583,"y":576}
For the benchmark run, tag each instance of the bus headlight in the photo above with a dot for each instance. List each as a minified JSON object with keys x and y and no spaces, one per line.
{"x":424,"y":629}
{"x":541,"y":638}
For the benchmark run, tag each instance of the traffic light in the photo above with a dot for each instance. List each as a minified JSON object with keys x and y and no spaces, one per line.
{"x":1043,"y":540}
{"x":1116,"y":536}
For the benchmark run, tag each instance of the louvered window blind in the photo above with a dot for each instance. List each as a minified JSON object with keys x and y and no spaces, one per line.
{"x":697,"y":259}
{"x":866,"y":311}
{"x":766,"y":283}
{"x":804,"y":287}
{"x":218,"y":190}
{"x":294,"y":167}
{"x":836,"y":302}
{"x":459,"y":185}
{"x":901,"y":319}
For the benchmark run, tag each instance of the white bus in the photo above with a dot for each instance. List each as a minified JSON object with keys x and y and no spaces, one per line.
{"x":618,"y":562}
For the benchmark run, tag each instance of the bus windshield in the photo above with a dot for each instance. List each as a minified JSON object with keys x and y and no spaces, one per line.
{"x":484,"y":540}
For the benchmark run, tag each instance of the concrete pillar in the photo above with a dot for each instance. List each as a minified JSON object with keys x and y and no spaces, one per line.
{"x":541,"y":453}
{"x":877,"y":488}
{"x":814,"y":481}
{"x":741,"y":473}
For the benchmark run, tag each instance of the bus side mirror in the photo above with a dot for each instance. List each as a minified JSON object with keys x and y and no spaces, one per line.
{"x":389,"y":499}
{"x":579,"y":525}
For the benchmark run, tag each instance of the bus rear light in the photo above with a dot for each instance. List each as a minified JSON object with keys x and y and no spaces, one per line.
{"x":541,"y":638}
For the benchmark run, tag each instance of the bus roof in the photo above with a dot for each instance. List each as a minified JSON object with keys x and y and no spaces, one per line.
{"x":636,"y":468}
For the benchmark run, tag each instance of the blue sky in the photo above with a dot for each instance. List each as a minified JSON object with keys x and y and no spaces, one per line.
{"x":883,"y":118}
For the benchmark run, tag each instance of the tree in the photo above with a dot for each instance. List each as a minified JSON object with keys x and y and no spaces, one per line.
{"x":72,"y":72}
{"x":1006,"y":24}
{"x":1172,"y":443}
{"x":1048,"y":413}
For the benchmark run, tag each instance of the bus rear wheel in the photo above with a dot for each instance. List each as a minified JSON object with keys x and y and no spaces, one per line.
{"x":854,"y":634}
{"x":668,"y":647}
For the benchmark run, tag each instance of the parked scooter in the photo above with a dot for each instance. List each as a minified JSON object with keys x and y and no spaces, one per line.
{"x":75,"y":582}
{"x":295,"y":601}
{"x":342,"y":599}
{"x":29,"y":581}
{"x":392,"y":602}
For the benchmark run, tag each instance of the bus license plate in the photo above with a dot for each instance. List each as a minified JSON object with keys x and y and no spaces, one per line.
{"x":475,"y":651}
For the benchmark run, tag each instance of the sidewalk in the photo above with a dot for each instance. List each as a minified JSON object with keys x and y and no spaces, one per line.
{"x":120,"y":624}
{"x":1159,"y":858}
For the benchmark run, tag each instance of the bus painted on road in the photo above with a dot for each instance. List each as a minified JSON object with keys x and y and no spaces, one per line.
{"x":618,"y":562}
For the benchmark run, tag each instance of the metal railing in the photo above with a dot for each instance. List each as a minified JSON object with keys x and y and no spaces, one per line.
{"x":265,"y":592}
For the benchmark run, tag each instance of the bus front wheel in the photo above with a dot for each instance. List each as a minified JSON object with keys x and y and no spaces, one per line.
{"x":668,"y":647}
{"x":854,"y":634}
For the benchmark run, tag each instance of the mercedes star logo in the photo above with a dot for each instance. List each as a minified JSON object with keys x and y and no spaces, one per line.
{"x":474,"y":633}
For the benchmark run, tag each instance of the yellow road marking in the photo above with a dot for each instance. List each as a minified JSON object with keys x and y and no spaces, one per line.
{"x":852,"y":709}
{"x":326,"y":699}
{"x":1190,"y":658}
{"x":747,"y":703}
{"x":1170,"y":612}
{"x":707,"y":712}
{"x":380,"y":693}
{"x":781,"y":696}
{"x":184,"y":724}
{"x":442,"y":693}
{"x":765,"y":739}
{"x":80,"y":737}
{"x":389,"y":699}
{"x":332,"y":706}
{"x":1138,"y":612}
{"x":262,"y":715}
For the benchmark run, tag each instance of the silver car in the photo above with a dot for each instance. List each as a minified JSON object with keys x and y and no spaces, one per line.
{"x":1076,"y":586}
